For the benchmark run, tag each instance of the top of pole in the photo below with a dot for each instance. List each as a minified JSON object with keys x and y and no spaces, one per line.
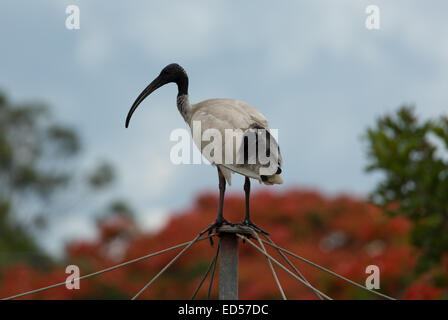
{"x":243,"y":230}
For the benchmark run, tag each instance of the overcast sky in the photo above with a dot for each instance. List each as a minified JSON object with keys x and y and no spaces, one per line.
{"x":311,"y":67}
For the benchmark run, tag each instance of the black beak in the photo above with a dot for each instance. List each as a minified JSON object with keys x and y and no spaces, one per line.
{"x":154,"y":85}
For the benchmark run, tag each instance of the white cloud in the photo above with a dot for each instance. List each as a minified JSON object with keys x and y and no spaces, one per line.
{"x":93,"y":48}
{"x":65,"y":229}
{"x":153,"y":219}
{"x":164,"y":29}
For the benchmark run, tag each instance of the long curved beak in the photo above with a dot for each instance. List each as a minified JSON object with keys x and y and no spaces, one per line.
{"x":154,"y":85}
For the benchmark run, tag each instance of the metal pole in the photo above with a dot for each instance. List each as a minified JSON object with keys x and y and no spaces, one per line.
{"x":228,"y":266}
{"x":228,"y":259}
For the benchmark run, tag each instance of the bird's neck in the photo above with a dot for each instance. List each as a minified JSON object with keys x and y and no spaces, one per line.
{"x":183,"y":105}
{"x":182,"y":84}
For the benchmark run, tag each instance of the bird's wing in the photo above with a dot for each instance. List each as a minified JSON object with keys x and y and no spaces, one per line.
{"x":255,"y":115}
{"x":212,"y":115}
{"x":229,"y":109}
{"x":260,"y":148}
{"x":258,"y":156}
{"x":222,"y":114}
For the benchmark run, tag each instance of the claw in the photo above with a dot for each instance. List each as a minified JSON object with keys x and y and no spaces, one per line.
{"x":214,"y":226}
{"x":249,"y":223}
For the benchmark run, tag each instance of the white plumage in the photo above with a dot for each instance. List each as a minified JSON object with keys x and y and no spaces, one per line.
{"x":232,"y":114}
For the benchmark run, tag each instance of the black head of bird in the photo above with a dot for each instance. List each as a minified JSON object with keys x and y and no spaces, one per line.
{"x":171,"y":73}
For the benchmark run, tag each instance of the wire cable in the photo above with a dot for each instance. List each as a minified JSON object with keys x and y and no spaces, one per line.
{"x":329,"y":271}
{"x":283,"y":267}
{"x":212,"y":277}
{"x":292,"y":266}
{"x":206,"y":274}
{"x":105,"y":270}
{"x":169,"y":264}
{"x":271,"y":267}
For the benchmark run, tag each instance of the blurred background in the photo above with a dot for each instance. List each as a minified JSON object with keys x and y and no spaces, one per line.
{"x":362,"y":125}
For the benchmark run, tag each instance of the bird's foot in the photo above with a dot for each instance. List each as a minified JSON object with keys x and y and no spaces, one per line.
{"x":214,"y":226}
{"x":250,"y":224}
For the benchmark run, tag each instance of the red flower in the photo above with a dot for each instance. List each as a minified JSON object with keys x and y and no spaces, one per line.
{"x":422,"y":291}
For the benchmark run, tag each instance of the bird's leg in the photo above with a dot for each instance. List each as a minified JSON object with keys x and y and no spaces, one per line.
{"x":220,"y":217}
{"x":247,"y":194}
{"x":222,"y":189}
{"x":247,"y":221}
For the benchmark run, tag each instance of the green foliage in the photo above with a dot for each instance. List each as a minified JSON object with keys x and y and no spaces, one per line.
{"x":16,"y":244}
{"x":64,"y":139}
{"x":102,"y":176}
{"x":24,"y":177}
{"x":121,"y":207}
{"x":37,"y":176}
{"x":27,"y":136}
{"x":411,"y":155}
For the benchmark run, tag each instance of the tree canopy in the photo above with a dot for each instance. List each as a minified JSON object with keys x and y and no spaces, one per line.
{"x":412,"y":155}
{"x":39,"y":173}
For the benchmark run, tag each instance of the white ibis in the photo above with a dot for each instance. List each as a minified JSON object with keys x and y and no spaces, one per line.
{"x":222,"y":114}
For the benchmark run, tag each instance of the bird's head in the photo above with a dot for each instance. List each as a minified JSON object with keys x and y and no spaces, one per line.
{"x":171,"y":73}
